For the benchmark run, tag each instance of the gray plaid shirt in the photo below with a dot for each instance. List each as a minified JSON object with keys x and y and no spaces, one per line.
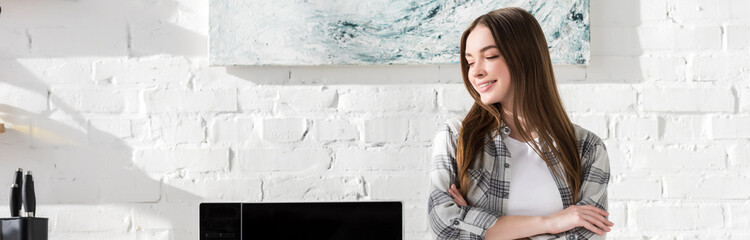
{"x":490,"y":177}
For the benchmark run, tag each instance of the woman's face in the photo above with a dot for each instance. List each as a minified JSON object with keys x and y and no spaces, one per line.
{"x":488,"y":72}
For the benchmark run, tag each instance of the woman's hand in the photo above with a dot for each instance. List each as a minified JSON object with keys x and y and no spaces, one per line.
{"x":587,"y":216}
{"x":453,"y":191}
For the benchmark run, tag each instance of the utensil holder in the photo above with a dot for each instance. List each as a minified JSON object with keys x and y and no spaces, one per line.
{"x":23,"y":228}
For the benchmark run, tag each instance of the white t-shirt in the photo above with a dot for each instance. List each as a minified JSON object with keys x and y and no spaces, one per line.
{"x":533,"y":191}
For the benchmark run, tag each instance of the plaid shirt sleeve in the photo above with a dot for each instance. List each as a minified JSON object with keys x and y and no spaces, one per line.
{"x":594,"y":187}
{"x":447,"y":219}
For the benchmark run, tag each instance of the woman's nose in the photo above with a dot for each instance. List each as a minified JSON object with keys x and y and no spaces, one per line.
{"x":478,"y":70}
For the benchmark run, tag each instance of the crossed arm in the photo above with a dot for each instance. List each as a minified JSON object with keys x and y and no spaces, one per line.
{"x":514,"y":227}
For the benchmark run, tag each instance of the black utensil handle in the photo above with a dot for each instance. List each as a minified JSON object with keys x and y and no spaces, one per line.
{"x":15,"y":201}
{"x":29,"y":198}
{"x":19,"y":178}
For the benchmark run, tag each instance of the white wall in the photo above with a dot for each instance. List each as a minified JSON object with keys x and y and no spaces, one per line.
{"x":114,"y":108}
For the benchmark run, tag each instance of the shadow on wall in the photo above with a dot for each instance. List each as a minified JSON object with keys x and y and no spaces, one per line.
{"x":86,"y":177}
{"x":347,"y":74}
{"x":615,"y":42}
{"x":615,"y":58}
{"x":81,"y":170}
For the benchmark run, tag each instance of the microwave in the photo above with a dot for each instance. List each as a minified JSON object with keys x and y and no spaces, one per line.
{"x":301,"y":220}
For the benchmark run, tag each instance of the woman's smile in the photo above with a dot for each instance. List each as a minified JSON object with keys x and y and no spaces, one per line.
{"x":486,"y":85}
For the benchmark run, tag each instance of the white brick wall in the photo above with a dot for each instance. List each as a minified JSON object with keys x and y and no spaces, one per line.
{"x":114,"y":107}
{"x":679,"y":218}
{"x":334,"y":130}
{"x":284,"y":129}
{"x":385,"y":130}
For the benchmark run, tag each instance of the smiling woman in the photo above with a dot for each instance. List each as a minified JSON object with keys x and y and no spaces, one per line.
{"x":516,"y":166}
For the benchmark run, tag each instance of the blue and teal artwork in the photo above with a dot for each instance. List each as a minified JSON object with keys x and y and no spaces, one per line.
{"x":347,"y":32}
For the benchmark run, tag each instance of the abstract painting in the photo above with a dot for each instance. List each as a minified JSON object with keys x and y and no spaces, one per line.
{"x":346,"y":32}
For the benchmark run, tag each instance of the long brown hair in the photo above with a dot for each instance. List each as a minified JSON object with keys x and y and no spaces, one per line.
{"x":521,"y":42}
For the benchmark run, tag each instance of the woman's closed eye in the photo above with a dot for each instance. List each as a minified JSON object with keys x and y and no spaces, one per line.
{"x":488,"y":58}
